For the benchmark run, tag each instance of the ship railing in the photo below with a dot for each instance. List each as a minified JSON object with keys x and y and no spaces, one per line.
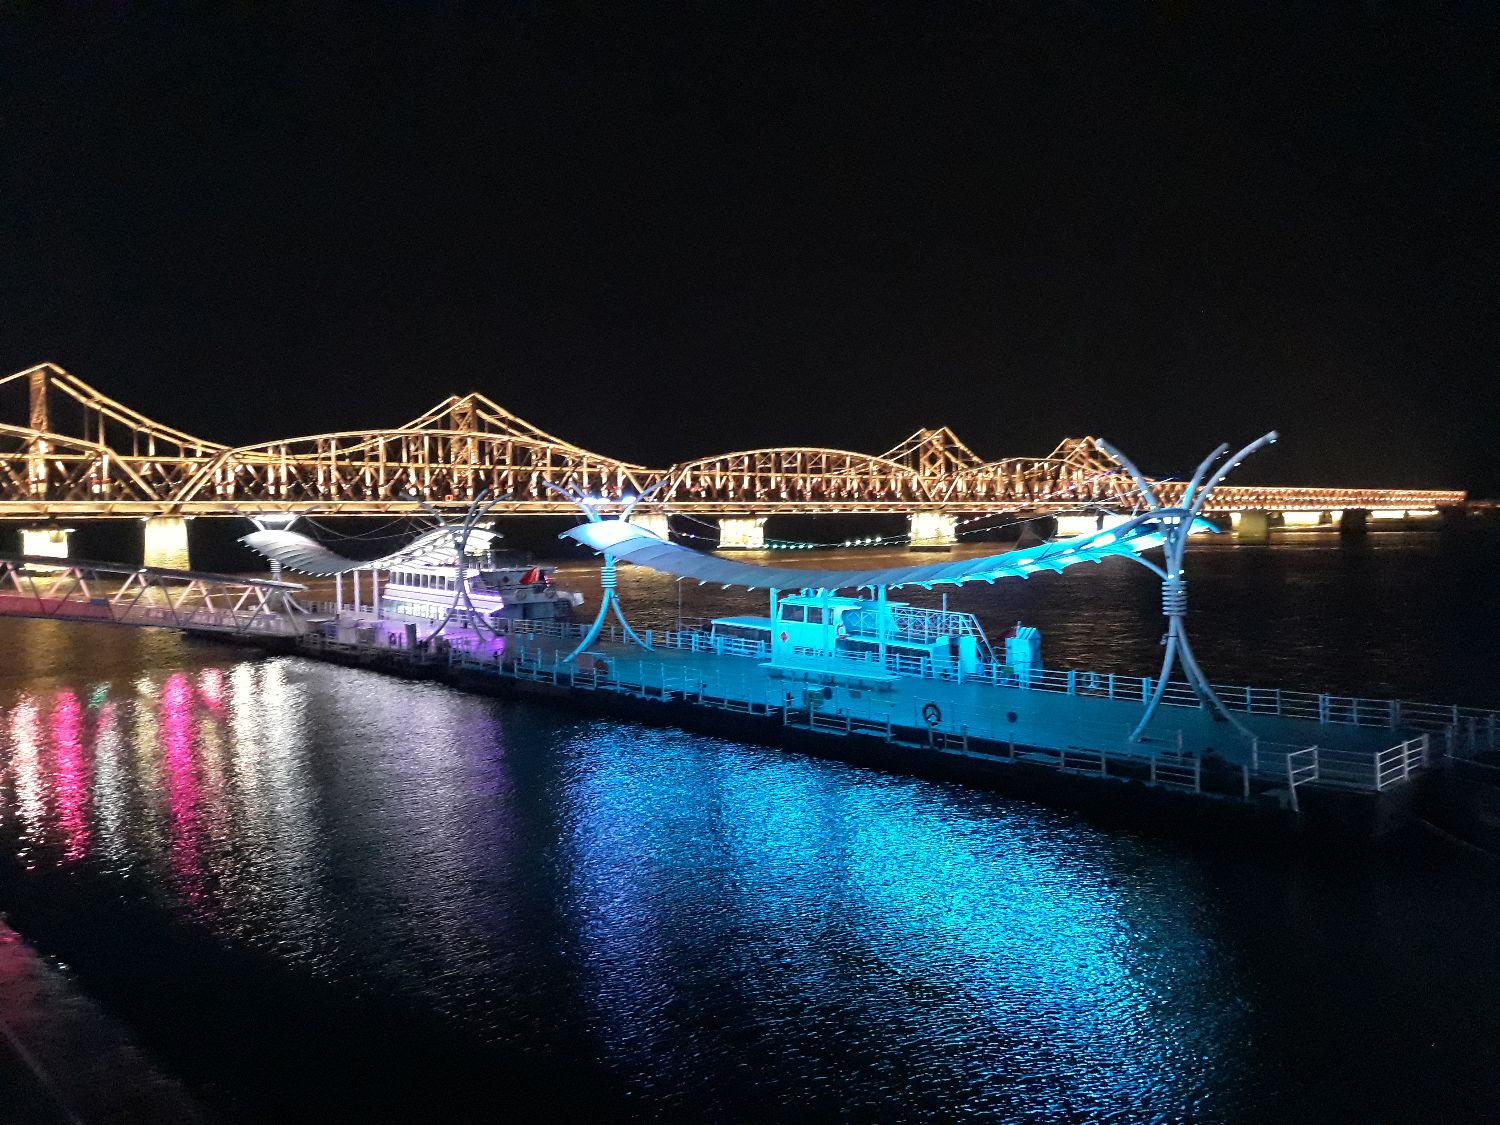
{"x":1302,"y":768}
{"x":1345,"y":769}
{"x":1076,"y":746}
{"x":1463,"y":731}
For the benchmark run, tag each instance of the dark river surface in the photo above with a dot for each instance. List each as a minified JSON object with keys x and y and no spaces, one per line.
{"x":317,"y":893}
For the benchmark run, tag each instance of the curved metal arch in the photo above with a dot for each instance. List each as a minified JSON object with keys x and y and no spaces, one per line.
{"x":483,"y":409}
{"x":1029,"y":479}
{"x":765,"y":470}
{"x":89,"y":398}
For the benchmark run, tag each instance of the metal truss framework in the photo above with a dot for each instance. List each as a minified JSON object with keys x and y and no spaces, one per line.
{"x":123,"y":595}
{"x":81,"y":454}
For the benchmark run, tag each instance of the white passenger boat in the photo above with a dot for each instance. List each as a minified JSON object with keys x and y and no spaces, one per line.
{"x":501,"y":586}
{"x":421,"y":579}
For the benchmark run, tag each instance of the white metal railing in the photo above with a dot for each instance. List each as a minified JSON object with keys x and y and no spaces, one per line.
{"x":1302,"y":768}
{"x":1462,"y":729}
{"x":1075,"y":746}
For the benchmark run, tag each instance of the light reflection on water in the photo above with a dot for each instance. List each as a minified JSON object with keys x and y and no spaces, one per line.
{"x":732,"y":931}
{"x":707,"y":915}
{"x":975,"y":955}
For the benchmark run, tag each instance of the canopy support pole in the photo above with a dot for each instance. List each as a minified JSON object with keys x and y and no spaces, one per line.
{"x":1176,"y":526}
{"x":609,"y":601}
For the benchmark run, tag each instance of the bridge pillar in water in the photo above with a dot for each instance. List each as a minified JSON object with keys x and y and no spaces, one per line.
{"x":1390,"y":516}
{"x":658,"y":523}
{"x":1082,"y":523}
{"x":167,"y":543}
{"x":1303,"y":519}
{"x":742,"y":533}
{"x":1251,"y":527}
{"x":1354,"y":521}
{"x":932,"y":531}
{"x":47,"y":542}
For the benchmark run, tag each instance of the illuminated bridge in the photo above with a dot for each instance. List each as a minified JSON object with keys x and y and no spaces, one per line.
{"x":68,"y":451}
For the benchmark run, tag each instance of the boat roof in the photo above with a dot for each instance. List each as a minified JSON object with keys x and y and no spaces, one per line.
{"x":749,"y":622}
{"x":632,"y":543}
{"x":833,"y":602}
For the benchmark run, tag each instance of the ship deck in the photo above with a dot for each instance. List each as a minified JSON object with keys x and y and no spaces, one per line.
{"x":1088,"y":717}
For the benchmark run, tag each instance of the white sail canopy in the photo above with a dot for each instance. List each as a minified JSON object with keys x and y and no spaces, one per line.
{"x":629,"y":543}
{"x":305,"y":555}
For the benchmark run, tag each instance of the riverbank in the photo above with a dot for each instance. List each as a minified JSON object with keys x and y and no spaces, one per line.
{"x":64,"y":1061}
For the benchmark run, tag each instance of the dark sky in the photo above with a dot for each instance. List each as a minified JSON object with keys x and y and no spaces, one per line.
{"x":724,"y":226}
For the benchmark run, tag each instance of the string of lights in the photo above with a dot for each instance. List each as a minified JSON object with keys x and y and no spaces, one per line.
{"x":403,"y":523}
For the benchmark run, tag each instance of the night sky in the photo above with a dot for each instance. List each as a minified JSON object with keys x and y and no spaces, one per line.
{"x":725,"y":226}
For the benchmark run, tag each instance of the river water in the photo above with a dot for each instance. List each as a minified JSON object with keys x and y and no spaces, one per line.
{"x":317,"y":892}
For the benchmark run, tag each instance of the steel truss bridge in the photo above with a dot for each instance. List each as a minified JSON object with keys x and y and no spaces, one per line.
{"x":70,"y":451}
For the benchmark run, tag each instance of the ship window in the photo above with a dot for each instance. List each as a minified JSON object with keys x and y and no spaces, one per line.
{"x":792,"y":613}
{"x":815,"y":614}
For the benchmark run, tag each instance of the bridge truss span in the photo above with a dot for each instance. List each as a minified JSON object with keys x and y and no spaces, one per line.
{"x":70,"y":451}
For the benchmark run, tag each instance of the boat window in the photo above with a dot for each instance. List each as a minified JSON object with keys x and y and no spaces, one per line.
{"x":792,"y":613}
{"x":815,"y":614}
{"x":761,"y":633}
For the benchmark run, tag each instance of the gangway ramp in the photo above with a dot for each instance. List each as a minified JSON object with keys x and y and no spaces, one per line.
{"x":152,"y":597}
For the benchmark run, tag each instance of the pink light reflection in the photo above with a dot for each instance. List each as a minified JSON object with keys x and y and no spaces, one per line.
{"x":70,"y":776}
{"x":183,"y":797}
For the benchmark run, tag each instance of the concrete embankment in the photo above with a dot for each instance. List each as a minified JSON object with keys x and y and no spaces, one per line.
{"x":64,"y":1061}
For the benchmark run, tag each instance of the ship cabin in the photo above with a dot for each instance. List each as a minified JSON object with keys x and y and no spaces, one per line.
{"x":496,"y":591}
{"x":819,"y":630}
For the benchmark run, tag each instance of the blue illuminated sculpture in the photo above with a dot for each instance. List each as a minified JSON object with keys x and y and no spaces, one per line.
{"x":1157,"y":526}
{"x":609,"y":600}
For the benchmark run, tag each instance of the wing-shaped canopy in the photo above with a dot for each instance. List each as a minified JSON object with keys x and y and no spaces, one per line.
{"x":307,"y":556}
{"x":629,"y":543}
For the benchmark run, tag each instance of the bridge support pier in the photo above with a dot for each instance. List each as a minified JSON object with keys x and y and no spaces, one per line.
{"x":659,"y":524}
{"x":47,"y":542}
{"x":1404,"y":515}
{"x":742,"y":533}
{"x":932,"y":531}
{"x":1303,"y":519}
{"x":1251,"y":527}
{"x":1082,"y":523}
{"x":167,"y":543}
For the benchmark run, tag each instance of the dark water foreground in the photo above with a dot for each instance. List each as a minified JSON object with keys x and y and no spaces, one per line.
{"x":314,"y":892}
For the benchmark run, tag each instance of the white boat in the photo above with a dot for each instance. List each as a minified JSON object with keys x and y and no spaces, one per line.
{"x":501,"y":586}
{"x":421,"y":578}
